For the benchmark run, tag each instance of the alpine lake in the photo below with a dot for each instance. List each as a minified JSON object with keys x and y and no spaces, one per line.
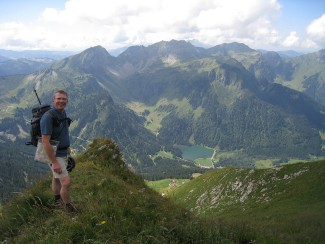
{"x":198,"y":154}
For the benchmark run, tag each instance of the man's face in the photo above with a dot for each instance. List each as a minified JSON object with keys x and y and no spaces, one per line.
{"x":60,"y":101}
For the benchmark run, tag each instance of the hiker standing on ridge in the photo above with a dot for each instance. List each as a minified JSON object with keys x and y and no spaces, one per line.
{"x":57,"y":128}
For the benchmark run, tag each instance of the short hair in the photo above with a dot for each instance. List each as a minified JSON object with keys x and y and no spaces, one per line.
{"x":61,"y":92}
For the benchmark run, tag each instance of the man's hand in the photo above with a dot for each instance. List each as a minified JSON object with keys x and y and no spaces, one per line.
{"x":56,"y":167}
{"x":48,"y":148}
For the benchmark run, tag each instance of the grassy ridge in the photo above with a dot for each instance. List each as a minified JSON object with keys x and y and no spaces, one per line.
{"x":231,"y":205}
{"x":115,"y":206}
{"x":286,"y":204}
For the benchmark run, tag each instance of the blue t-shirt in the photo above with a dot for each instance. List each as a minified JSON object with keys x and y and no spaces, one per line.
{"x":58,"y":128}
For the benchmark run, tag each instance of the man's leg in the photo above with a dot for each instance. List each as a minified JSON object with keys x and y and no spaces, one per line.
{"x":56,"y":188}
{"x":65,"y":189}
{"x":61,"y":184}
{"x":65,"y":194}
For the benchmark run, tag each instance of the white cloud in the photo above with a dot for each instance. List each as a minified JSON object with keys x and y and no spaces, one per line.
{"x":317,"y":28}
{"x":309,"y":44}
{"x":113,"y":24}
{"x":292,"y":40}
{"x":17,"y":34}
{"x":316,"y":32}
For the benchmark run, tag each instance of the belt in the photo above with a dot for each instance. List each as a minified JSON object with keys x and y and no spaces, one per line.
{"x":62,"y":148}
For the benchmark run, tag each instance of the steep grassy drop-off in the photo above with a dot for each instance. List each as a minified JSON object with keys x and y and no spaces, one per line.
{"x":114,"y":206}
{"x":286,"y":202}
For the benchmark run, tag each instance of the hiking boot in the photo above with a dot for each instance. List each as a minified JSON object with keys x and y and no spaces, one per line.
{"x":70,"y":208}
{"x":58,"y":204}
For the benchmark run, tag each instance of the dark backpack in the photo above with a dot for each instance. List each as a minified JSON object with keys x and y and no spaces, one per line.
{"x":35,"y":130}
{"x":37,"y":113}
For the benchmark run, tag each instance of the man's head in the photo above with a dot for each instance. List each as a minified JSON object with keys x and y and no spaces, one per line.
{"x":60,"y":99}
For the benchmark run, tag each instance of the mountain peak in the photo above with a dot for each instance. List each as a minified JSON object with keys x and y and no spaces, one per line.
{"x":94,"y":59}
{"x":180,"y":49}
{"x":98,"y":52}
{"x":172,"y":44}
{"x":167,"y":52}
{"x":226,"y":48}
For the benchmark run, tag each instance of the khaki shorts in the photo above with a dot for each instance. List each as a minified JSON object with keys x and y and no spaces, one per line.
{"x":63,"y":165}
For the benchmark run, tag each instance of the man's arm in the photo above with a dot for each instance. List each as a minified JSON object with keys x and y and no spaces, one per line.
{"x":50,"y":153}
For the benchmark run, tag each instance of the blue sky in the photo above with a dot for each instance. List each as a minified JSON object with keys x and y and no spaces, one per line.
{"x":79,"y":24}
{"x":297,"y":14}
{"x":26,"y":10}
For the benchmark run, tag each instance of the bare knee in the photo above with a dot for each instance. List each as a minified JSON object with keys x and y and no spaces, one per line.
{"x":56,"y":185}
{"x":65,"y":182}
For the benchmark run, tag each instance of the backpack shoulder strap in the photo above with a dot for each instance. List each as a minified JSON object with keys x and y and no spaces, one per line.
{"x":54,"y":117}
{"x":56,"y":120}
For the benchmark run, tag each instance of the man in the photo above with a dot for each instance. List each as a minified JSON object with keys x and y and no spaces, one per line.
{"x":55,"y":126}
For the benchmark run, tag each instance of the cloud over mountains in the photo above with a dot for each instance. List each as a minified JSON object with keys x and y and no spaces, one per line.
{"x":114,"y":24}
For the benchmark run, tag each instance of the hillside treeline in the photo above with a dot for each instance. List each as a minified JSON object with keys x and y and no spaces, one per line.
{"x":18,"y":169}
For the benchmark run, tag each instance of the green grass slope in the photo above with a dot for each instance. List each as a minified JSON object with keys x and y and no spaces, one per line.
{"x":285,"y":204}
{"x":114,"y":206}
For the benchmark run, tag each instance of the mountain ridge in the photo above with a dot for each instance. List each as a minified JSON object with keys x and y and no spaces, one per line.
{"x":114,"y":205}
{"x":278,"y":201}
{"x":215,"y":101}
{"x":228,"y":205}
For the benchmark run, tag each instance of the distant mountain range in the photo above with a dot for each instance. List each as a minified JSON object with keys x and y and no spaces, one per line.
{"x":33,"y":54}
{"x":23,"y":66}
{"x":26,"y":62}
{"x":241,"y":102}
{"x":286,"y":53}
